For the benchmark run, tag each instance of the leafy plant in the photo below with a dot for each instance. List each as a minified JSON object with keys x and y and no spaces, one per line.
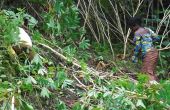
{"x":48,"y":82}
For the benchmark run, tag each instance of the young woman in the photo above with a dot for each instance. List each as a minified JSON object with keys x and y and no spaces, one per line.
{"x":143,"y":39}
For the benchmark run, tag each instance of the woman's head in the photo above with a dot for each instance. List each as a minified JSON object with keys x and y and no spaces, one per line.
{"x":134,"y":22}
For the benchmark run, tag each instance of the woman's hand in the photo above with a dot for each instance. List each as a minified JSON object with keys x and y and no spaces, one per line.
{"x":134,"y":59}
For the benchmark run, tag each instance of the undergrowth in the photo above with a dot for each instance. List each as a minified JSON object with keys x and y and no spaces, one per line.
{"x":49,"y":83}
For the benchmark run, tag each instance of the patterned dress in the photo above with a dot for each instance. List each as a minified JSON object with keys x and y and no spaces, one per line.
{"x":144,"y":43}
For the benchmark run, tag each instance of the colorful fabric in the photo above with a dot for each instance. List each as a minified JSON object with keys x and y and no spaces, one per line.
{"x":149,"y":64}
{"x":144,"y":43}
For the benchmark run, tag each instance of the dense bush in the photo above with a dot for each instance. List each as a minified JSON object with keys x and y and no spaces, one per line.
{"x":47,"y":82}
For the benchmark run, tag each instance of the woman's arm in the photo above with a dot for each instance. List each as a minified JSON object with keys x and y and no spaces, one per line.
{"x":137,"y":41}
{"x":155,"y":37}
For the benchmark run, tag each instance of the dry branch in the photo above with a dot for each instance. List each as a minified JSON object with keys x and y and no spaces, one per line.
{"x":164,"y":48}
{"x":62,"y":57}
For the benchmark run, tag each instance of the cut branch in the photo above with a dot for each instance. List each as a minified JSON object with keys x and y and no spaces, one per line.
{"x":62,"y":57}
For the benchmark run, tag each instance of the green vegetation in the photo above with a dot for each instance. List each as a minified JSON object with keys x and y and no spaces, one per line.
{"x":82,"y":56}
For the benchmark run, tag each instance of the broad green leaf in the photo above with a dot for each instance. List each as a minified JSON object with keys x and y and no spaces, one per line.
{"x":61,"y":106}
{"x":67,"y":82}
{"x":31,"y":80}
{"x":140,"y":104}
{"x":51,"y":24}
{"x":45,"y":92}
{"x":77,"y":106}
{"x":61,"y":76}
{"x":84,"y":44}
{"x":42,"y":71}
{"x":37,"y":36}
{"x":26,"y":105}
{"x":37,"y":59}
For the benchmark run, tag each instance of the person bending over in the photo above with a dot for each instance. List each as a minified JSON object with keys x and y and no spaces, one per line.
{"x":143,"y":39}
